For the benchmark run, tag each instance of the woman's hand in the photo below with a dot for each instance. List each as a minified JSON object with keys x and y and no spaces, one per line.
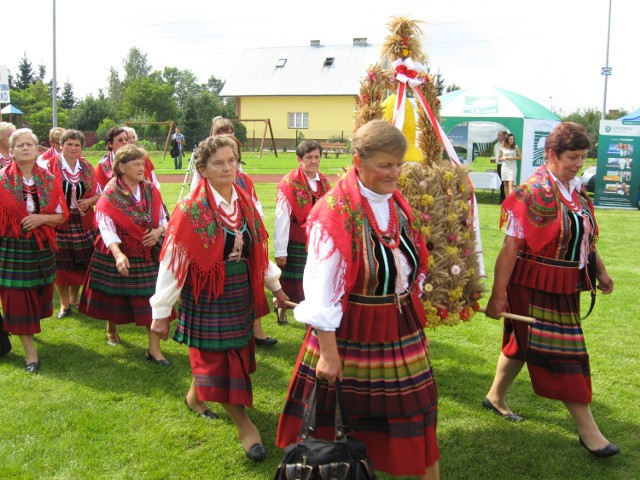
{"x":160,"y":326}
{"x":329,"y":368}
{"x":152,"y":236}
{"x":122,"y":264}
{"x":605,"y":282}
{"x":32,"y":221}
{"x":497,"y":304}
{"x":280,"y":298}
{"x":281,"y":261}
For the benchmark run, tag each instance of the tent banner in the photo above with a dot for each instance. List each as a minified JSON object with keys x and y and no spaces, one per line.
{"x":534,"y":135}
{"x":618,"y":170}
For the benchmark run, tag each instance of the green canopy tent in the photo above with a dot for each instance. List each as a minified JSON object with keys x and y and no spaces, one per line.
{"x":529,"y":121}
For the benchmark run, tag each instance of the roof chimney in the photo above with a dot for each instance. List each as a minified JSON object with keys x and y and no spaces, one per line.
{"x":315,"y":43}
{"x":361,"y":41}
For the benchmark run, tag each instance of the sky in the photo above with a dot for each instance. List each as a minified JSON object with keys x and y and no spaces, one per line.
{"x":551,"y":51}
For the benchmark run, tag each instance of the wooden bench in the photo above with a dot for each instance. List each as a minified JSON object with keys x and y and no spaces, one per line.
{"x":334,"y":147}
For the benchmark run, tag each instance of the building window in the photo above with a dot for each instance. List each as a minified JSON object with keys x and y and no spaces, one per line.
{"x":281,"y":62}
{"x":328,"y":61}
{"x":298,"y":120}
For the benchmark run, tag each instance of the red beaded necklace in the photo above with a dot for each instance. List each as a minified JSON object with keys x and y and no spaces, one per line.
{"x":393,"y":230}
{"x":231,"y":220}
{"x":317,"y":194}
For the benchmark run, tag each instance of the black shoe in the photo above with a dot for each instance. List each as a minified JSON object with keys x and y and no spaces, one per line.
{"x":282,"y":316}
{"x":65,"y":312}
{"x":608,"y":451}
{"x":163,"y":362}
{"x":512,"y":417}
{"x":204,"y":414}
{"x":257,"y":452}
{"x":266,"y":341}
{"x":32,"y":367}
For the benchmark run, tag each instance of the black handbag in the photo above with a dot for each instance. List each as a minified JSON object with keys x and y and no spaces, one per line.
{"x":5,"y":343}
{"x":345,"y":458}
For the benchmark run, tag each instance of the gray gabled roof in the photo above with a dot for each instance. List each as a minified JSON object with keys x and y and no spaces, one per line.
{"x":304,"y":72}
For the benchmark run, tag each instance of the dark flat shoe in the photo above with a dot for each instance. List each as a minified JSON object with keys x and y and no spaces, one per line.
{"x":608,"y":451}
{"x":204,"y":414}
{"x":512,"y":417}
{"x":65,"y":312}
{"x":163,"y":362}
{"x":266,"y":341}
{"x":32,"y":367}
{"x":257,"y":452}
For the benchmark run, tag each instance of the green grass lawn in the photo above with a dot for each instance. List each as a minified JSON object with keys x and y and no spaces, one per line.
{"x":96,"y":411}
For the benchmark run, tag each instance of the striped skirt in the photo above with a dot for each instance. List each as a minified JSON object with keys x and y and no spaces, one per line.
{"x":219,"y":332}
{"x":553,"y":347}
{"x":389,"y":393}
{"x":109,"y":296}
{"x":293,"y":271}
{"x":75,"y":250}
{"x":26,"y":284}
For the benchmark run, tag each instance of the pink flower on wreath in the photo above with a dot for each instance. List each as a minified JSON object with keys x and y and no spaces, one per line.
{"x":455,"y":269}
{"x":426,"y":217}
{"x":452,"y":238}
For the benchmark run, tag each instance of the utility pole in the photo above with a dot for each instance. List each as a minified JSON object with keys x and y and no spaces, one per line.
{"x":606,"y":71}
{"x":54,"y":85}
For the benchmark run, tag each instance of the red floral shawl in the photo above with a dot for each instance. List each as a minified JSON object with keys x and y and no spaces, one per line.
{"x":340,"y":216}
{"x":296,"y":189}
{"x":88,"y":176}
{"x":118,"y":203}
{"x":13,"y":208}
{"x":104,"y":170}
{"x":535,"y":204}
{"x":148,"y":168}
{"x":196,"y":233}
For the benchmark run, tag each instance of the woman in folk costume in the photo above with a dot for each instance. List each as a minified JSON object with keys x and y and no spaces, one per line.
{"x":215,"y":259}
{"x":116,"y":138}
{"x":361,"y":283}
{"x":298,"y":191}
{"x":122,"y":275}
{"x":76,"y":237}
{"x":540,"y":270}
{"x":31,"y":206}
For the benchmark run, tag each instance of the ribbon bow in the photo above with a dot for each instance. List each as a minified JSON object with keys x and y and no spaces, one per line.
{"x":407,"y":71}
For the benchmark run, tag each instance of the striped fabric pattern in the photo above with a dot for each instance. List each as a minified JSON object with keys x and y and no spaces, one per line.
{"x":225,"y":323}
{"x":24,"y":308}
{"x":75,"y":245}
{"x":22,"y":265}
{"x":103,"y":276}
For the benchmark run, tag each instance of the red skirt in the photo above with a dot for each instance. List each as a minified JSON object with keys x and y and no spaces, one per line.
{"x":559,"y":368}
{"x":116,"y":309}
{"x":224,"y":376}
{"x":24,"y":308}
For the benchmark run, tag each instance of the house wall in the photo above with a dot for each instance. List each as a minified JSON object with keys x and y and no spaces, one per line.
{"x":329,"y":116}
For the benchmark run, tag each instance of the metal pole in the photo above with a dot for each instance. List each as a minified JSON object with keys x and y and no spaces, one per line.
{"x":606,"y":77}
{"x":54,"y":84}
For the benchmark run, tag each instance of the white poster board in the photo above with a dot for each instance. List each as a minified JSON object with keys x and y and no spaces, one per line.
{"x":5,"y":97}
{"x":534,"y":134}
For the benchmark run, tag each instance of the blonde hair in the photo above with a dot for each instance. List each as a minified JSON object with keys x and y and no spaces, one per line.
{"x":378,"y":136}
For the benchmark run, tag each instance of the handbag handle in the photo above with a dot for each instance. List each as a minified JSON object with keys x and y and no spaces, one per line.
{"x":341,"y":420}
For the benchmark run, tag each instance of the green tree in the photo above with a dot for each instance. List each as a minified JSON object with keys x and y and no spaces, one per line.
{"x":115,"y":88}
{"x":590,"y":119}
{"x":42,"y":72}
{"x":35,"y":102}
{"x":198,"y":113}
{"x":90,"y":112}
{"x":68,"y":101}
{"x":214,"y":85}
{"x":104,"y":127}
{"x":184,"y":82}
{"x":135,"y":65}
{"x":148,"y":96}
{"x":26,"y":76}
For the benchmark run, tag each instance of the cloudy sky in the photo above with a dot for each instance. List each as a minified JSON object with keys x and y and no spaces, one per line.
{"x":549,"y":50}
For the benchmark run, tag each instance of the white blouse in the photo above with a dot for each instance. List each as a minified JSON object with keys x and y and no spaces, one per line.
{"x":322,"y":307}
{"x":167,"y":287}
{"x":283,"y":219}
